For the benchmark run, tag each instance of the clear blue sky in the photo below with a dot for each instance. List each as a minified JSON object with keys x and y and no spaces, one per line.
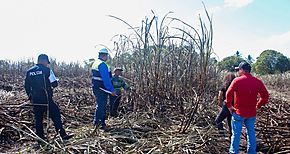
{"x":69,"y":30}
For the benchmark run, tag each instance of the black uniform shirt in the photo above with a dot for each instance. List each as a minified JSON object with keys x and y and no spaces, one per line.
{"x":37,"y":84}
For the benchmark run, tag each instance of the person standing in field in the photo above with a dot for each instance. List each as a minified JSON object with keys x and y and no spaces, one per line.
{"x":224,"y":112}
{"x":118,"y":83}
{"x":102,"y":87}
{"x":39,"y":83}
{"x":245,"y":90}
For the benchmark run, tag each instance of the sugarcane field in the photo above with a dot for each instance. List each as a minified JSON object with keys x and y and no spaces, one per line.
{"x":163,"y":84}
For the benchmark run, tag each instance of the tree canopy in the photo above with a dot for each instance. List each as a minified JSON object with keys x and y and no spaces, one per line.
{"x":230,"y":62}
{"x":271,"y":62}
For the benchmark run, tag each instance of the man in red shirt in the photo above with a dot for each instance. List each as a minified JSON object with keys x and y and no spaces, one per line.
{"x":245,"y":90}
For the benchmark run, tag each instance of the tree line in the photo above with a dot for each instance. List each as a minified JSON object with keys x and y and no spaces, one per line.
{"x":268,"y":62}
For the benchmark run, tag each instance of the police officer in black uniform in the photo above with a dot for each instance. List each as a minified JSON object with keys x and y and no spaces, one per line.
{"x":39,"y":83}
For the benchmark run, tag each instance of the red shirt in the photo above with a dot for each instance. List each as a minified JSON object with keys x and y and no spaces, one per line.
{"x":245,"y":90}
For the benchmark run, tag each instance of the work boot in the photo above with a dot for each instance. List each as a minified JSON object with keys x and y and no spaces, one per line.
{"x":65,"y":136}
{"x":104,"y":127}
{"x":114,"y":114}
{"x":100,"y":126}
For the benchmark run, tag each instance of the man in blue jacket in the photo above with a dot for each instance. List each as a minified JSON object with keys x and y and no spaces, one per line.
{"x":102,"y":86}
{"x":39,"y":83}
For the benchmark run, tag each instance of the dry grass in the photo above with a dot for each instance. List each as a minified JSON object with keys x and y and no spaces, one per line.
{"x":144,"y":131}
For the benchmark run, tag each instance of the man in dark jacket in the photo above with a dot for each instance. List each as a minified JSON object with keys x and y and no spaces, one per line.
{"x":39,"y":83}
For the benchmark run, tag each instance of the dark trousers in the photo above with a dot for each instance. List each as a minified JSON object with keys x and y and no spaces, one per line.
{"x":100,"y":113}
{"x":114,"y":104}
{"x":223,"y":114}
{"x":54,"y":114}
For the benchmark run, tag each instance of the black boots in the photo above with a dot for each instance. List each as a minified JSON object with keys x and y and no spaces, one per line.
{"x":64,"y":136}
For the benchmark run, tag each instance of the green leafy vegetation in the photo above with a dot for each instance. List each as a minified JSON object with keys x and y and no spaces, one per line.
{"x":271,"y":62}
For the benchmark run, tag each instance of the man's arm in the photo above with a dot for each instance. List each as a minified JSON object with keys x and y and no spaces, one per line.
{"x":27,"y":85}
{"x":105,"y":77}
{"x":264,"y":96}
{"x":52,"y":79}
{"x":125,"y":85}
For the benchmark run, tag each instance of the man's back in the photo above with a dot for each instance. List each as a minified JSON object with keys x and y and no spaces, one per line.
{"x":101,"y":75}
{"x":37,"y":83}
{"x":246,"y":88}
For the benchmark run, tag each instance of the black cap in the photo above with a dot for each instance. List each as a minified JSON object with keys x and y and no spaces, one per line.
{"x":244,"y":65}
{"x":43,"y":57}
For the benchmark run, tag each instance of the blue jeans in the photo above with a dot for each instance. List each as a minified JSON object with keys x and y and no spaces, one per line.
{"x":237,"y":123}
{"x":100,"y":113}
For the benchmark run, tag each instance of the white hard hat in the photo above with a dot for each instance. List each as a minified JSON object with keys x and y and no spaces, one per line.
{"x":104,"y":51}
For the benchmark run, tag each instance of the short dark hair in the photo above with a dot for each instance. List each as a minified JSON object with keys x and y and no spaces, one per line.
{"x":43,"y":57}
{"x":248,"y":70}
